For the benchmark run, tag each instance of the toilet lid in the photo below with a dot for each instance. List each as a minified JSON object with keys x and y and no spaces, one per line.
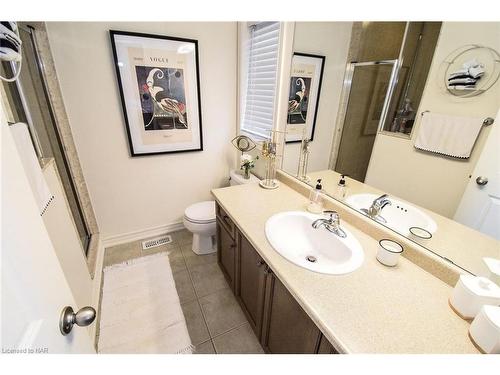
{"x":201,"y":212}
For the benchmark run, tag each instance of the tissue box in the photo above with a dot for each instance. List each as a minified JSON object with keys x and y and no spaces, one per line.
{"x":492,"y":270}
{"x":471,"y":293}
{"x":485,"y":330}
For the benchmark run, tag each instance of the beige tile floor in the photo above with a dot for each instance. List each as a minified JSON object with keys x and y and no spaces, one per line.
{"x":215,"y":321}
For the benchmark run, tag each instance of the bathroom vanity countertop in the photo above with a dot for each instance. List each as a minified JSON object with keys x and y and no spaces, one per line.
{"x":375,"y":309}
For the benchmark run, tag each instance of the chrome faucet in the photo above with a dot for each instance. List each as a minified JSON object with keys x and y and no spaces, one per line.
{"x":378,"y":204}
{"x":332,"y":224}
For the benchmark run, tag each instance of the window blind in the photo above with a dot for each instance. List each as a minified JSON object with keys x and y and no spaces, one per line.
{"x":262,"y":66}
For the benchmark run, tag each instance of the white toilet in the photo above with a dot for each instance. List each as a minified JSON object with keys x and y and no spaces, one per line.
{"x":199,"y":218}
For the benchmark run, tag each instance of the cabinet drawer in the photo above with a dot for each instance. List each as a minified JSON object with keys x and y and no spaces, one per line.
{"x":225,"y":220}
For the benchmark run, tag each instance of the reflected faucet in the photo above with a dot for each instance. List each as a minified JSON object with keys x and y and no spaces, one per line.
{"x":332,"y":224}
{"x":378,"y":204}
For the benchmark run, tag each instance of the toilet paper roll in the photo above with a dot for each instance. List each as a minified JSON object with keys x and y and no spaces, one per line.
{"x":471,"y":293}
{"x":484,"y":330}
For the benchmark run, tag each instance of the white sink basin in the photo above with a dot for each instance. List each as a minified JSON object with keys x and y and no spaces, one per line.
{"x":400,"y":215}
{"x":291,"y":234}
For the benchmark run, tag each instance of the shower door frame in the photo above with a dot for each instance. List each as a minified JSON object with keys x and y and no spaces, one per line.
{"x":349,"y":74}
{"x":30,"y":30}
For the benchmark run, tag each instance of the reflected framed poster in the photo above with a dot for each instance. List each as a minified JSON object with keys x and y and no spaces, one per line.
{"x":303,"y":98}
{"x":159,"y":82}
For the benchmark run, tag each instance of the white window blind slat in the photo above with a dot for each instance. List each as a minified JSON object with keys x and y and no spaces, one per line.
{"x":262,"y":52}
{"x":260,"y":115}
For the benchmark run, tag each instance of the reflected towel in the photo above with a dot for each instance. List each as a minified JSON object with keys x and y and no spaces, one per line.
{"x":32,"y":168}
{"x":448,"y":135}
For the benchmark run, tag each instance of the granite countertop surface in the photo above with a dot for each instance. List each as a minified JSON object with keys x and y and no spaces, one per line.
{"x":375,"y":309}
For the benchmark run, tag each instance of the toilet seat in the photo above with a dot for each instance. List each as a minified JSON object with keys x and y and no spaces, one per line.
{"x":201,"y":212}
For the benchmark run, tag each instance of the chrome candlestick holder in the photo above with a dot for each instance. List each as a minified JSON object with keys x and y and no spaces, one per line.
{"x":304,"y":158}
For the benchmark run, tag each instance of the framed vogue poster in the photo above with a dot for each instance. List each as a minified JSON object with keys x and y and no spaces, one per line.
{"x":160,"y":92}
{"x":303,"y":97}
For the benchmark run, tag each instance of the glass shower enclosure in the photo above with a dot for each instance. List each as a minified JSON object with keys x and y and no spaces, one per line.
{"x":383,"y":88}
{"x":29,"y":102}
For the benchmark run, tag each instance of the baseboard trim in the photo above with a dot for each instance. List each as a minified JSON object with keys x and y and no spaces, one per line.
{"x":140,"y":234}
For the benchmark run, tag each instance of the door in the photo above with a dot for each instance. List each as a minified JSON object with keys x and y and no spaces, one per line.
{"x":370,"y":91}
{"x":226,"y":249}
{"x":251,"y":285}
{"x":480,"y":204}
{"x":34,"y":290}
{"x":287,"y":329}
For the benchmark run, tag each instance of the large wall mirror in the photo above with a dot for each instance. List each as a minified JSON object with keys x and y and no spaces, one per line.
{"x":406,"y":111}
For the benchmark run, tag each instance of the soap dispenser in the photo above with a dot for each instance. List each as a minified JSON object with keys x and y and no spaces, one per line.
{"x":315,"y":199}
{"x":341,"y":187}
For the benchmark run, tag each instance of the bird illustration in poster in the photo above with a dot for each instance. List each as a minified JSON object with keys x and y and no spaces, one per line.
{"x":163,"y":98}
{"x":298,"y":100}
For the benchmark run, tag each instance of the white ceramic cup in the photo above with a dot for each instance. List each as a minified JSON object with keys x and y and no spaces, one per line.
{"x":420,"y":233}
{"x":389,"y":252}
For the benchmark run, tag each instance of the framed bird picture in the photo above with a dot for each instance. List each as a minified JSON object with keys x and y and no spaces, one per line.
{"x":303,"y":98}
{"x":159,"y":86}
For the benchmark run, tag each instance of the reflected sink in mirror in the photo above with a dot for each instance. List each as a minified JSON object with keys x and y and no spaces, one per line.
{"x":399,"y":216}
{"x":291,"y":234}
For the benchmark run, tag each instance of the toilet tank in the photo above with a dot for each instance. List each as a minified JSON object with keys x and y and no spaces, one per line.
{"x":236,"y":178}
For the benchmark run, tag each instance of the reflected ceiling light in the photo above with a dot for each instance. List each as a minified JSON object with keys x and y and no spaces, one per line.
{"x":185,"y":48}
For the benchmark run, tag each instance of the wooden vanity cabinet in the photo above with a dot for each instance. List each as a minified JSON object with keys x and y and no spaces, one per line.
{"x":279,"y":322}
{"x":251,"y":282}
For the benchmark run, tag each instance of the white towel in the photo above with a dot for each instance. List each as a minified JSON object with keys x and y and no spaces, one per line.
{"x":31,"y":165}
{"x":448,"y":135}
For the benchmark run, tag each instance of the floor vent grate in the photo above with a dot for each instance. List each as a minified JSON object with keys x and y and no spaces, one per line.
{"x":155,"y":242}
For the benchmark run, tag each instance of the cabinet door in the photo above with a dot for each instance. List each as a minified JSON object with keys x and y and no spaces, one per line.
{"x":287,"y":328}
{"x":250,"y":288}
{"x":325,"y":347}
{"x":226,"y":253}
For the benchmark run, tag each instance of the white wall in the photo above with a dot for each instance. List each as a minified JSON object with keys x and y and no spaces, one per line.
{"x":429,"y":180}
{"x":136,"y":194}
{"x":330,"y":39}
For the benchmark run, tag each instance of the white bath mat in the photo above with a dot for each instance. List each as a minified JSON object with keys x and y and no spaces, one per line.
{"x":140,"y":311}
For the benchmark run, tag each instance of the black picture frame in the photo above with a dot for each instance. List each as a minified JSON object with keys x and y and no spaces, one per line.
{"x":194,"y":42}
{"x":318,"y":94}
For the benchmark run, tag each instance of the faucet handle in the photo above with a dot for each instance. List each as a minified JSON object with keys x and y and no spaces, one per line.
{"x":334,"y":215}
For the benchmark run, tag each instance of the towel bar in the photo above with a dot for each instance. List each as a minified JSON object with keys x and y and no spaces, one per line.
{"x":486,"y":122}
